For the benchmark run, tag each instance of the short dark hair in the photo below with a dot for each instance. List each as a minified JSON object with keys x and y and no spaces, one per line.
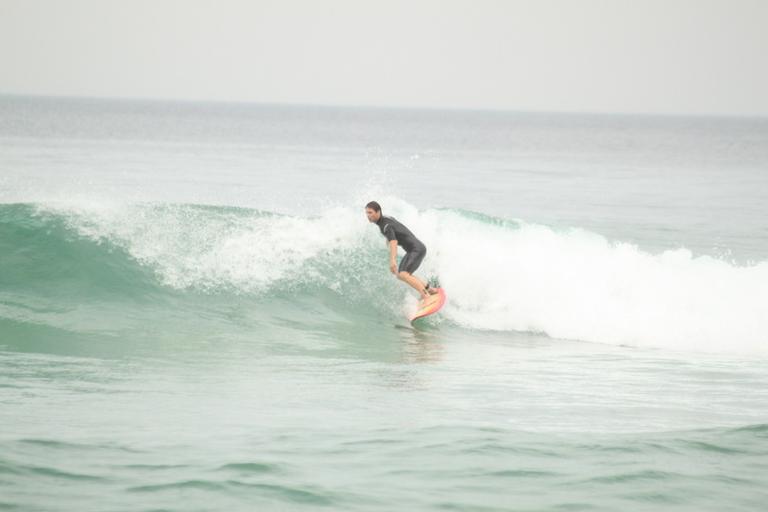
{"x":373,"y":205}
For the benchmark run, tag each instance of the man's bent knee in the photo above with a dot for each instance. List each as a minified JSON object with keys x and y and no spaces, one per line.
{"x":403,"y":275}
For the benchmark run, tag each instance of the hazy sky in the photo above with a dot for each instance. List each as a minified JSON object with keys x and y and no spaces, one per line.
{"x":650,"y":56}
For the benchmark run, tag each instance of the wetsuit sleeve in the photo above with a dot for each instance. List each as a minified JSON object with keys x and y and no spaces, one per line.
{"x":389,"y":232}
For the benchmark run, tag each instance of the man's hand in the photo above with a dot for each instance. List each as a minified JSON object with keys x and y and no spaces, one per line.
{"x":393,"y":266}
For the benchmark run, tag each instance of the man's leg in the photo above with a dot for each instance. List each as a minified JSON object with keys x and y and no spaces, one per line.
{"x":417,"y":284}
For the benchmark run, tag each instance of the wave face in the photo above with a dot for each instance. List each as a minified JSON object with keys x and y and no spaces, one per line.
{"x":500,"y":274}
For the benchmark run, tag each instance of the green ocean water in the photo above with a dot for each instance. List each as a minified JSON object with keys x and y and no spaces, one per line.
{"x":195,"y":314}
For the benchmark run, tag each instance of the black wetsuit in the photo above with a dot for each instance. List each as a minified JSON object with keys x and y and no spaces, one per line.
{"x":414,"y":249}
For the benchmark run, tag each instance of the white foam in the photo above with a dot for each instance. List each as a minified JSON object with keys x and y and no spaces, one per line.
{"x":578,"y":285}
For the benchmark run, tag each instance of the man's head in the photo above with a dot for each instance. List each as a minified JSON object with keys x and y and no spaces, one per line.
{"x":373,"y":211}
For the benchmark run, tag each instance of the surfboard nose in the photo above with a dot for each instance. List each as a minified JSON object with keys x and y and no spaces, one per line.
{"x":431,"y":305}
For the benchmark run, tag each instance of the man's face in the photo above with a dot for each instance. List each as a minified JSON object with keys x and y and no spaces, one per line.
{"x":373,"y":216}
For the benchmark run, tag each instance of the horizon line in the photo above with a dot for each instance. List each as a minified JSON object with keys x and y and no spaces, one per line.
{"x":354,"y":106}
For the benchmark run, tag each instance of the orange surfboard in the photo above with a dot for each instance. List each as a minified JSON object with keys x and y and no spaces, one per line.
{"x":430,"y":306}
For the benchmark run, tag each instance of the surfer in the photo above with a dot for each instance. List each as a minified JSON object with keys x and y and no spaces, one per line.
{"x":397,"y":234}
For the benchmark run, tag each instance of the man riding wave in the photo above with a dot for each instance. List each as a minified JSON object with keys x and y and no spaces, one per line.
{"x":397,"y":234}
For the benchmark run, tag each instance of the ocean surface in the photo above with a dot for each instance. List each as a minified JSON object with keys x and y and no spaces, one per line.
{"x":195,"y":314}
